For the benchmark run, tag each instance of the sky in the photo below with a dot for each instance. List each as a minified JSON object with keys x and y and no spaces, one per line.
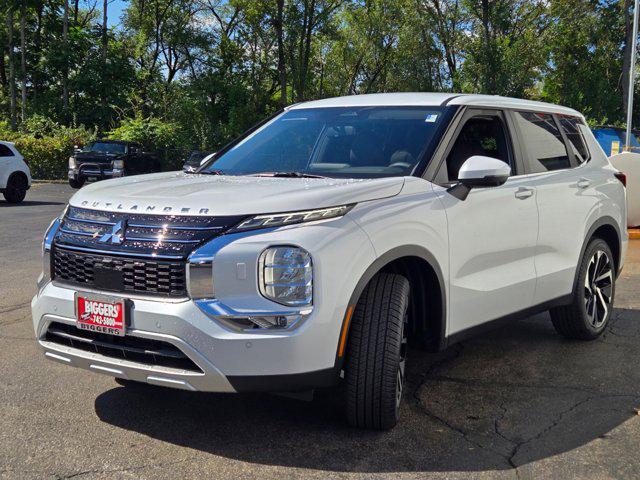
{"x":116,"y":7}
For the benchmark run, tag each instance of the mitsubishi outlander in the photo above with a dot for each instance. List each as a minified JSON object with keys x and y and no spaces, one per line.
{"x":311,"y":251}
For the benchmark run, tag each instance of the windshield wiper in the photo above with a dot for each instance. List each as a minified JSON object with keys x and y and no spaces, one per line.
{"x":207,"y":172}
{"x":286,"y":175}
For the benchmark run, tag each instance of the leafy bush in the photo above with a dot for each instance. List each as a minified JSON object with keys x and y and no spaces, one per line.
{"x":47,"y":156}
{"x":163,"y":138}
{"x":46,"y":145}
{"x":152,"y":133}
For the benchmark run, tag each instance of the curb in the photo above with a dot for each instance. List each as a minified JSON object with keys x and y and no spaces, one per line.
{"x":48,"y":181}
{"x":634,"y":233}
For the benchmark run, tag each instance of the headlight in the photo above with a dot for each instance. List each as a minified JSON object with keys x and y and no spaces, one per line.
{"x":118,"y":164}
{"x":286,"y":276}
{"x":290,"y":218}
{"x":72,"y":163}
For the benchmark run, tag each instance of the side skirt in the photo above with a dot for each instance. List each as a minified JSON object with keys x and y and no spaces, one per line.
{"x":502,"y":321}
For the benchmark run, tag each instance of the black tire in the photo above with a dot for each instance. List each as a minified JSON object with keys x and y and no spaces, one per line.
{"x":76,"y":183}
{"x":16,"y":189}
{"x":374,"y":367}
{"x":587,"y":316}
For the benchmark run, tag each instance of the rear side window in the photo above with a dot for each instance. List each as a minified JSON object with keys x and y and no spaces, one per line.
{"x":543,"y":142}
{"x":572,"y":129}
{"x":5,"y":151}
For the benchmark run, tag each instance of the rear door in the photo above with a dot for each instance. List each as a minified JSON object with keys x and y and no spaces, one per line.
{"x":557,"y":166}
{"x":492,"y":234}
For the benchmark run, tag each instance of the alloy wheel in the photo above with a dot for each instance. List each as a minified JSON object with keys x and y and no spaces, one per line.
{"x":598,"y":288}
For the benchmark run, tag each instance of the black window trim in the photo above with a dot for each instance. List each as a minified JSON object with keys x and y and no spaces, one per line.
{"x":527,"y":167}
{"x":457,"y":124}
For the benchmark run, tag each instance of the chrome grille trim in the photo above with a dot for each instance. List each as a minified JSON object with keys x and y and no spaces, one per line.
{"x":141,"y":234}
{"x":123,"y":254}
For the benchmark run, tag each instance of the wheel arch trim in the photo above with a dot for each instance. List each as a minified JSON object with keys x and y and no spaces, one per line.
{"x":605,"y":221}
{"x":378,"y":264}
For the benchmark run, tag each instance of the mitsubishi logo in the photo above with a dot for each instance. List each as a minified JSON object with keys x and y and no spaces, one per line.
{"x":116,"y":236}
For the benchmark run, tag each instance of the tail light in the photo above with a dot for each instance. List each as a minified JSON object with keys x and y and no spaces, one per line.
{"x":26,"y":162}
{"x":622,"y":177}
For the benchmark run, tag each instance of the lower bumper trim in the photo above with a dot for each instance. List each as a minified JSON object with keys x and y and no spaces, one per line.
{"x":285,"y":383}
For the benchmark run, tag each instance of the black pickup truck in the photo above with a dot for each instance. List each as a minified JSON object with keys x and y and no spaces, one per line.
{"x":105,"y":159}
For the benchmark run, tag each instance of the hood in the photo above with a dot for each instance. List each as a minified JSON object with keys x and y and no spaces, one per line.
{"x":189,"y":194}
{"x":95,"y":156}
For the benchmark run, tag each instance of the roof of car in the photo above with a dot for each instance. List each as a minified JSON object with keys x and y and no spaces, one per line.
{"x":423,"y":99}
{"x":119,"y":142}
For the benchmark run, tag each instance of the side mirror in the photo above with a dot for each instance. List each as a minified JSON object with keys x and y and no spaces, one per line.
{"x":479,"y":171}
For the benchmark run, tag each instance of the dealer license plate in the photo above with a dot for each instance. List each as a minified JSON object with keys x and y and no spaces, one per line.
{"x":100,"y":314}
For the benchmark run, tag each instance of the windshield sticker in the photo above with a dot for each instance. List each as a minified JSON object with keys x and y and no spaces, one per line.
{"x":431,"y":118}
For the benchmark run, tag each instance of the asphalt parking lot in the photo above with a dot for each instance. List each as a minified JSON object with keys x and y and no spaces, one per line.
{"x":519,"y":402}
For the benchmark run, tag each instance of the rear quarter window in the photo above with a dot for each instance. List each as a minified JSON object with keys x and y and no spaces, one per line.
{"x":5,"y":151}
{"x":573,"y":128}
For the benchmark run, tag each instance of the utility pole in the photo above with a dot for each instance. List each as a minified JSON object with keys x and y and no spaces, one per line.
{"x":632,"y":75}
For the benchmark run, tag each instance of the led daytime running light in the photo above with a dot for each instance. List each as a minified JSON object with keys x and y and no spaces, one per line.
{"x":291,"y":218}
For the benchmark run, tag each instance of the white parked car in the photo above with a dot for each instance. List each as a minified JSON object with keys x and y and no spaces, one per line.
{"x":15,"y":177}
{"x":314,"y":249}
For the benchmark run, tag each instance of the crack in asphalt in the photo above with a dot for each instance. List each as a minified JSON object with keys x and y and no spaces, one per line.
{"x":472,"y":382}
{"x":9,"y":337}
{"x":516,"y":445}
{"x":13,"y":308}
{"x":428,"y":375}
{"x":13,"y":321}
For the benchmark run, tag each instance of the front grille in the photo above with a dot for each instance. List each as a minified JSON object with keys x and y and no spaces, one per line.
{"x":135,"y":234}
{"x":135,"y":349}
{"x":120,"y":274}
{"x":131,"y":252}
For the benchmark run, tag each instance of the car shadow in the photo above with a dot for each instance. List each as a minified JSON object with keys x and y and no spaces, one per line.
{"x":507,"y":398}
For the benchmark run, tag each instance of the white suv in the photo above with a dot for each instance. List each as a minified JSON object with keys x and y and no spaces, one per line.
{"x":15,"y":177}
{"x":312,"y":250}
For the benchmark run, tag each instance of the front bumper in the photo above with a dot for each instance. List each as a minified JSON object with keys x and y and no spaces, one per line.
{"x":230,"y":360}
{"x":94,"y":172}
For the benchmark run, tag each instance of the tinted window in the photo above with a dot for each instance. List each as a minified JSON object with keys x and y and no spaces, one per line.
{"x":572,"y":129}
{"x":5,"y":151}
{"x":482,"y":135}
{"x":543,"y":142}
{"x":351,"y":142}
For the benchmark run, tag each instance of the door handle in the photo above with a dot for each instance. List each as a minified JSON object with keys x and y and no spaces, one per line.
{"x":584,"y":183}
{"x":523,"y":193}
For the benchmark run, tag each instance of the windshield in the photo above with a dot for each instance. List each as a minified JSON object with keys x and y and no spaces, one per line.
{"x":364,"y":142}
{"x":106,"y":147}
